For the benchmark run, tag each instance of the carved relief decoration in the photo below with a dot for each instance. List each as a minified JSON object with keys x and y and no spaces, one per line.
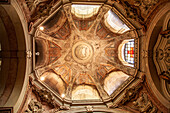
{"x":140,"y":10}
{"x":161,"y":55}
{"x":36,"y":9}
{"x":34,"y":107}
{"x":89,"y":108}
{"x":39,"y":8}
{"x":136,"y":100}
{"x":131,"y":93}
{"x":165,"y":75}
{"x":44,"y":96}
{"x":64,"y":108}
{"x":144,"y":105}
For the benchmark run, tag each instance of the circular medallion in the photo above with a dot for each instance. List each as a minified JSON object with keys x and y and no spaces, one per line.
{"x":82,"y":52}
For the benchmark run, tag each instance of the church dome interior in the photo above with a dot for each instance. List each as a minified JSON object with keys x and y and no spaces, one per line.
{"x":80,"y":56}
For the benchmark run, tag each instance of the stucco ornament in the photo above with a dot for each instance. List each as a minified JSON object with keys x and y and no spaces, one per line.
{"x":89,"y":108}
{"x":45,"y":96}
{"x":34,"y":107}
{"x":144,"y":105}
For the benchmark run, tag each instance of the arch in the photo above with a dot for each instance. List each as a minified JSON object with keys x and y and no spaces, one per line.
{"x":114,"y":80}
{"x":84,"y":11}
{"x":15,"y":67}
{"x":53,"y":81}
{"x":153,"y":77}
{"x":125,"y":50}
{"x":41,"y":55}
{"x":84,"y":92}
{"x":114,"y":23}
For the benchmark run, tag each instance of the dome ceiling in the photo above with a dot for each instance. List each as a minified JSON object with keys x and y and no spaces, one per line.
{"x":81,"y":57}
{"x":86,"y":56}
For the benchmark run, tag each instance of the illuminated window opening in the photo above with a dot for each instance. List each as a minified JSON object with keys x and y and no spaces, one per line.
{"x":114,"y":80}
{"x":129,"y":52}
{"x":126,"y":52}
{"x":84,"y":11}
{"x":113,"y":22}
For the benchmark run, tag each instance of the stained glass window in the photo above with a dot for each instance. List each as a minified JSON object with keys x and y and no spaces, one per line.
{"x":129,"y":52}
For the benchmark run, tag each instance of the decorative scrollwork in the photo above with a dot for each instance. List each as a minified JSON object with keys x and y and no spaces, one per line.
{"x":39,"y":8}
{"x":139,"y":10}
{"x":130,"y":94}
{"x":45,"y":96}
{"x":165,"y":75}
{"x":34,"y":107}
{"x":144,"y":105}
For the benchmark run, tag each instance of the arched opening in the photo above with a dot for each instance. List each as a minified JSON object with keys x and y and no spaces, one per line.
{"x":84,"y":11}
{"x":154,"y":30}
{"x":84,"y":92}
{"x":126,"y":52}
{"x":114,"y":23}
{"x":114,"y":80}
{"x":12,"y":57}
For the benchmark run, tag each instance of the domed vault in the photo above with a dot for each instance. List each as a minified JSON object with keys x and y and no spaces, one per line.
{"x":82,"y":57}
{"x":78,"y":56}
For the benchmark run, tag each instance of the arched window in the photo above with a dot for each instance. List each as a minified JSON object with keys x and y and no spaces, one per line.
{"x":126,"y":52}
{"x":114,"y":80}
{"x":84,"y":11}
{"x":129,"y":52}
{"x":115,"y":24}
